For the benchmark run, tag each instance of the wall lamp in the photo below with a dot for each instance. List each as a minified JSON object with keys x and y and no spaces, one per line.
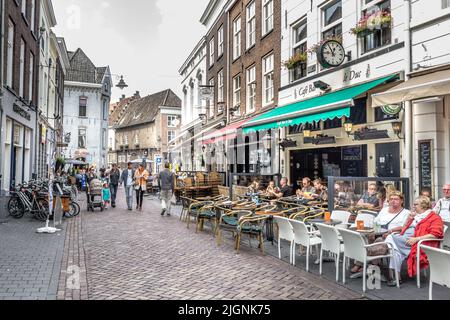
{"x":348,"y":128}
{"x":397,"y":127}
{"x":322,"y":86}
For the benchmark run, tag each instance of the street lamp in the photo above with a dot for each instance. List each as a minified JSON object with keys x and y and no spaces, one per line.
{"x":121,"y":85}
{"x":348,"y":127}
{"x":397,"y":127}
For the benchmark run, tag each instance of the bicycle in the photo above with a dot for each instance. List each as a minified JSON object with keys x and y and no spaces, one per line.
{"x":28,"y":199}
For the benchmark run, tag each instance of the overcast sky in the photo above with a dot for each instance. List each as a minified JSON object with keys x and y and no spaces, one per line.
{"x":145,"y":40}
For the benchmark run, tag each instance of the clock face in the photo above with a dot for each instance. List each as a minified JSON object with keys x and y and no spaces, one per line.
{"x":332,"y":53}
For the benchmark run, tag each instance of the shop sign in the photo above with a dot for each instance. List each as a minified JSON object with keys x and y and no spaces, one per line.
{"x":353,"y":74}
{"x":304,"y":91}
{"x":392,"y":109}
{"x":21,"y":112}
{"x":43,"y":135}
{"x":425,"y":164}
{"x":352,"y":153}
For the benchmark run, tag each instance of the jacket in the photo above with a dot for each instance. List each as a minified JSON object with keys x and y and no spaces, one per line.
{"x":166,"y":180}
{"x":432,"y":224}
{"x":114,"y":177}
{"x":124,"y":176}
{"x":140,"y":179}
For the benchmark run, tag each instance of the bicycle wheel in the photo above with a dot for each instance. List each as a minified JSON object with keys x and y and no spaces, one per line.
{"x":42,"y":214}
{"x":77,"y":207}
{"x":16,"y":208}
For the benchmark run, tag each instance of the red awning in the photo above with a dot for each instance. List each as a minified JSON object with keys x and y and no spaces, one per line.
{"x":229,"y":132}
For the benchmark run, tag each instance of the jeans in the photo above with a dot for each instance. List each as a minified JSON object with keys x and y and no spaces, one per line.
{"x":113,"y":188}
{"x":139,"y":197}
{"x":129,"y":196}
{"x":166,"y":196}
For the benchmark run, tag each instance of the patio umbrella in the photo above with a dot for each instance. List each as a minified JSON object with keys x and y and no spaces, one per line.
{"x":75,"y":162}
{"x":138,"y":161}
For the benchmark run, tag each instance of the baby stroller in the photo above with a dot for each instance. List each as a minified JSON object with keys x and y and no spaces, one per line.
{"x":94,"y":195}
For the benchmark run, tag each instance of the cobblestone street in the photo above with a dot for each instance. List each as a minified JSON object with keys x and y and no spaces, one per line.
{"x":141,"y":255}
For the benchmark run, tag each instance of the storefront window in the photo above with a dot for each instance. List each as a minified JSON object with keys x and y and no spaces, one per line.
{"x":381,"y":34}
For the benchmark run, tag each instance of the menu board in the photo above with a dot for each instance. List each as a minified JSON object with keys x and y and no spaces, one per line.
{"x":352,"y":153}
{"x":425,"y":165}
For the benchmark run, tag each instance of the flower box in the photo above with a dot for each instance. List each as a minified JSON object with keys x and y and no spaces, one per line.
{"x":295,"y":60}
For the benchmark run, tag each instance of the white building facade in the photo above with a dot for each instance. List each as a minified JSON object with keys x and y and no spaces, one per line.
{"x":86,"y":110}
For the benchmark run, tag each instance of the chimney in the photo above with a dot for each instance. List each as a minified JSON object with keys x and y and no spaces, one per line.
{"x":123,"y":97}
{"x":137,"y":95}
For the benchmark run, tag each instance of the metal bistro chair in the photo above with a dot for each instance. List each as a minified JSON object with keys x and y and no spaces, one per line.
{"x":185,"y":203}
{"x":253,"y":226}
{"x":195,"y":208}
{"x":229,"y":221}
{"x":207,"y":213}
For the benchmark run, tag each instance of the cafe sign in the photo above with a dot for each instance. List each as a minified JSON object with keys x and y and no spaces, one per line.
{"x":17,"y":109}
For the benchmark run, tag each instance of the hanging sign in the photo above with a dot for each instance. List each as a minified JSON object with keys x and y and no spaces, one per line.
{"x":206,"y":92}
{"x":391,"y":109}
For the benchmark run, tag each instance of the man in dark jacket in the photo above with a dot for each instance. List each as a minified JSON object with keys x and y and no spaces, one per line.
{"x":114,"y":178}
{"x":166,"y":182}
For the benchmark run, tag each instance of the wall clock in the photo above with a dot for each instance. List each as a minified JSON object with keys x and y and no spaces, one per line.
{"x":331,"y":54}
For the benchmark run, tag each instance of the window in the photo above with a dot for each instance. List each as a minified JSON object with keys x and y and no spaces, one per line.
{"x":83,"y":106}
{"x":267,"y":80}
{"x":82,"y":138}
{"x":251,"y":24}
{"x":211,"y":52}
{"x":191,"y":97}
{"x":333,"y":13}
{"x":332,"y":16}
{"x":299,"y":34}
{"x":381,"y":116}
{"x":22,"y":68}
{"x":220,"y":86}
{"x":236,"y":91}
{"x":10,"y":55}
{"x":125,"y":142}
{"x":445,"y":4}
{"x":104,"y":139}
{"x":220,"y":42}
{"x":171,"y":121}
{"x":136,"y":139}
{"x":33,"y":13}
{"x":380,"y":35}
{"x":236,"y":38}
{"x":251,"y":89}
{"x":105,"y":110}
{"x":30,"y":77}
{"x":211,"y":103}
{"x":170,"y":135}
{"x":267,"y":16}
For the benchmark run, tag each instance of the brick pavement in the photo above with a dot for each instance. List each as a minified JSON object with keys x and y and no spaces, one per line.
{"x":141,"y":255}
{"x":29,"y":262}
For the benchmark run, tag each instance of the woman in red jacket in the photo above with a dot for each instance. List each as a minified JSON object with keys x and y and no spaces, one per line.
{"x":422,"y":224}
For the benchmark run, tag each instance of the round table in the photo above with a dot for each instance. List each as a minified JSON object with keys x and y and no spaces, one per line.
{"x":369,"y":231}
{"x":332,"y":222}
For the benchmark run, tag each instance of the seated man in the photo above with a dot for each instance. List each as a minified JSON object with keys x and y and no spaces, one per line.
{"x":254,"y":187}
{"x":344,"y":195}
{"x":370,"y":199}
{"x":321,"y":192}
{"x":285,"y":190}
{"x":306,"y":188}
{"x":442,"y":206}
{"x":272,"y":190}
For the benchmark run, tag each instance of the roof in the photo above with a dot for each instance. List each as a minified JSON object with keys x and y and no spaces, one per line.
{"x":144,"y":110}
{"x":119,"y":110}
{"x":82,"y":69}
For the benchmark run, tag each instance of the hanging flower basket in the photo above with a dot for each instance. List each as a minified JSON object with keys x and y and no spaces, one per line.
{"x":295,"y":60}
{"x":368,"y":24}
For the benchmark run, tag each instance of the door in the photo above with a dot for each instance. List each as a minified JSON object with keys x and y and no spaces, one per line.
{"x":388,"y":159}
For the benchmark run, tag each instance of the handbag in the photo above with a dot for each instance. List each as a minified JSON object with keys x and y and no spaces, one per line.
{"x":386,"y":226}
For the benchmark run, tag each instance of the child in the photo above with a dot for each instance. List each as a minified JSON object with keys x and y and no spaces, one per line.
{"x":106,"y":195}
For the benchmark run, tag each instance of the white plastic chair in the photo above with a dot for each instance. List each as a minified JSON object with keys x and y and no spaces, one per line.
{"x":304,"y":237}
{"x":330,"y":242}
{"x":439,"y":271}
{"x":421,"y":245}
{"x":355,"y":247}
{"x":343,"y":216}
{"x":286,"y":232}
{"x":366,"y":217}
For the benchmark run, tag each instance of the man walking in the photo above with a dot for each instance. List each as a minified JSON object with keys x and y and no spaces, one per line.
{"x":127,"y":179}
{"x":166,"y":182}
{"x":442,"y":206}
{"x":114,"y":178}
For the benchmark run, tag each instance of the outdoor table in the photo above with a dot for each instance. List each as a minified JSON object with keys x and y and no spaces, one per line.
{"x":369,"y":231}
{"x":196,"y":189}
{"x":332,"y":222}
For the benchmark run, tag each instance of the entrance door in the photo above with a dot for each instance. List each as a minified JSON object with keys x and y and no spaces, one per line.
{"x":388,"y":159}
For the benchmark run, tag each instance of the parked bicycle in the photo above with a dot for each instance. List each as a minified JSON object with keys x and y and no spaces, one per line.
{"x":32,"y":198}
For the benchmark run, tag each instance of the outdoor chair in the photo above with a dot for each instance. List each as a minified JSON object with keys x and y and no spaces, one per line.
{"x":229,"y":221}
{"x":195,"y":208}
{"x":355,"y":247}
{"x":185,"y":203}
{"x":253,"y":226}
{"x":297,"y":212}
{"x":343,"y":216}
{"x":439,"y":271}
{"x":330,"y":242}
{"x":366,"y":217}
{"x":206,"y":213}
{"x":421,"y":245}
{"x":305,"y":238}
{"x":286,"y":232}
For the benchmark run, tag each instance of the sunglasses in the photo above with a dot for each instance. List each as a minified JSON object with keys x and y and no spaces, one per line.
{"x":446,"y":189}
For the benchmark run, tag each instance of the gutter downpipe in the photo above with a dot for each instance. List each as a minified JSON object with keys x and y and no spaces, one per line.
{"x":2,"y":18}
{"x":409,"y":134}
{"x":228,"y":93}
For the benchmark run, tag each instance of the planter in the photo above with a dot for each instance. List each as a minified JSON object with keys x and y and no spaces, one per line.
{"x":363,"y":33}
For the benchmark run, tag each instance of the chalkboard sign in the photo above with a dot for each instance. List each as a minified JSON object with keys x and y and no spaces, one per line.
{"x":425,"y":166}
{"x":352,"y":153}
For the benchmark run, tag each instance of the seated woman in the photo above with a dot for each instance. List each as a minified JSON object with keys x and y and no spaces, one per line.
{"x":344,"y":195}
{"x":421,"y":224}
{"x":321,"y":193}
{"x":391,"y":218}
{"x":254,"y":187}
{"x":306,"y":189}
{"x":272,"y":190}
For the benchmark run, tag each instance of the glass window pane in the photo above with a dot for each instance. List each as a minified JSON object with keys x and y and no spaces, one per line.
{"x":333,"y":13}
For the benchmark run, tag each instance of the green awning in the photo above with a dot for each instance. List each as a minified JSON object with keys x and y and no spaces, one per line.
{"x":327,"y":106}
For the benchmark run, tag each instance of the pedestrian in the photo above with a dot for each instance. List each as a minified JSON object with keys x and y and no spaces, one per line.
{"x":106,"y":195}
{"x":127,"y":178}
{"x":442,"y":206}
{"x":140,"y":185}
{"x":166,"y":182}
{"x":114,"y":178}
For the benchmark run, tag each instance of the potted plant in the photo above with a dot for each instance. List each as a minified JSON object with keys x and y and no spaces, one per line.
{"x":314,"y":48}
{"x":60,"y":163}
{"x":385,"y":20}
{"x":295,"y":60}
{"x":361,"y":30}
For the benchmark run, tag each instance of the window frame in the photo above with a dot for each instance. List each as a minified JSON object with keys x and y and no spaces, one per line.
{"x":31,"y":77}
{"x":364,"y":41}
{"x":169,"y":134}
{"x":211,"y":52}
{"x":250,"y":11}
{"x":82,"y":98}
{"x":212,"y":82}
{"x":237,"y":37}
{"x":80,"y":129}
{"x":237,"y":91}
{"x":171,"y":121}
{"x":265,"y":74}
{"x":297,"y":45}
{"x":251,"y":81}
{"x":267,"y":4}
{"x":334,"y":23}
{"x":22,"y":68}
{"x":220,"y":42}
{"x":220,"y":86}
{"x":10,"y":54}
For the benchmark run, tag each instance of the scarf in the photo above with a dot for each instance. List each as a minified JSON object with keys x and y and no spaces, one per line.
{"x":419,"y":217}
